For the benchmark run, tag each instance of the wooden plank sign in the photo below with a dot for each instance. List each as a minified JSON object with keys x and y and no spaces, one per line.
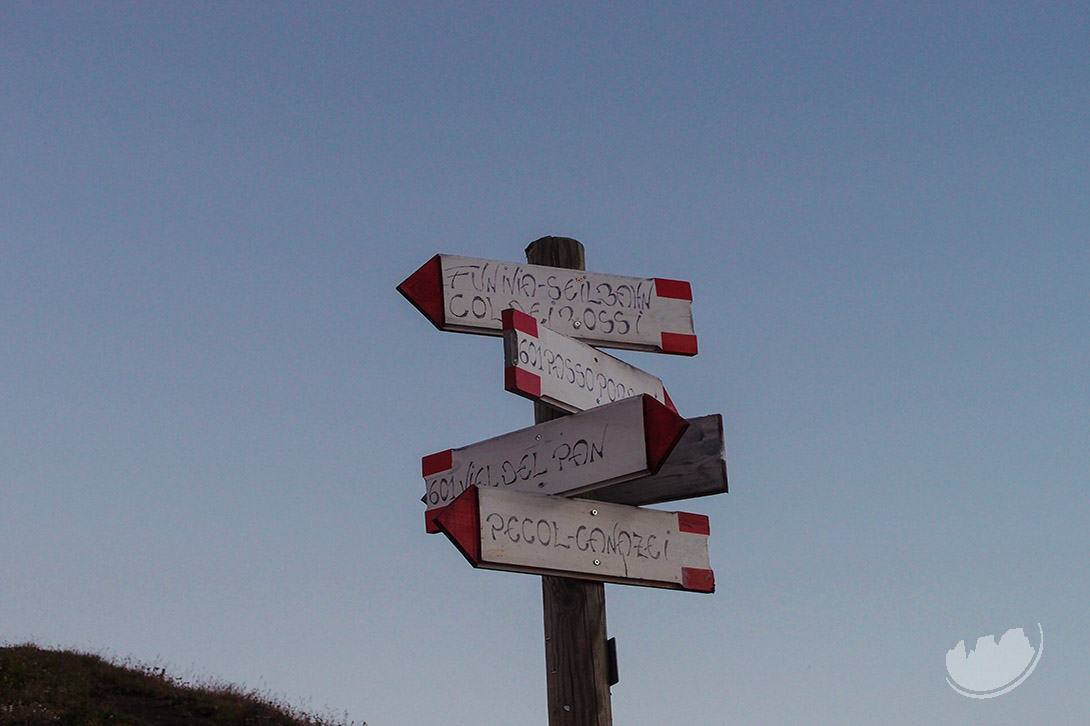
{"x":468,"y":295}
{"x":568,"y":455}
{"x":697,"y":467}
{"x":567,"y":373}
{"x":518,"y":532}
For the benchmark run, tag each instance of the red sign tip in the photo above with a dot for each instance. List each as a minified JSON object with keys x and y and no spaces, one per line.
{"x":695,"y":523}
{"x":679,"y":343}
{"x":697,"y":579}
{"x":460,"y":521}
{"x":662,"y":430}
{"x":676,"y":289}
{"x":517,"y":320}
{"x":435,"y":463}
{"x":522,"y":382}
{"x":424,"y":289}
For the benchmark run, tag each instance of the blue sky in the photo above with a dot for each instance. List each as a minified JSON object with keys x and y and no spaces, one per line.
{"x":214,"y":403}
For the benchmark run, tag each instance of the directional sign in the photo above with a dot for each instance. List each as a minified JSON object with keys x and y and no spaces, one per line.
{"x":504,"y":530}
{"x":569,"y":455}
{"x":565,"y":372}
{"x":697,"y":467}
{"x":468,"y":295}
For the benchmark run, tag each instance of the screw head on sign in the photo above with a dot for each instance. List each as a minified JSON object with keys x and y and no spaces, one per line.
{"x":594,"y":512}
{"x":597,"y":562}
{"x":575,"y":324}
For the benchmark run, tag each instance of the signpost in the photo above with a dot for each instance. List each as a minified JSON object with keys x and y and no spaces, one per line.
{"x":697,"y":467}
{"x":570,"y":455}
{"x":506,"y":502}
{"x":468,"y":295}
{"x":497,"y":529}
{"x":566,"y":373}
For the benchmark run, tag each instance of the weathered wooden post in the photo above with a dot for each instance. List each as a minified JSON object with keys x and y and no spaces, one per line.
{"x":576,"y":655}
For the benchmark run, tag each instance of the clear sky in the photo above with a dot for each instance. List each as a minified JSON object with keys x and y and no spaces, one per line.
{"x":213,"y":403}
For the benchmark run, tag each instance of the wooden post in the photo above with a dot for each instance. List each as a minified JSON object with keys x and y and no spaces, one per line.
{"x":576,"y":654}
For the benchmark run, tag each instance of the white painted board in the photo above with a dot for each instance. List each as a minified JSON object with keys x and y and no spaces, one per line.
{"x":519,"y":532}
{"x":568,"y":456}
{"x":468,"y":295}
{"x":541,"y":364}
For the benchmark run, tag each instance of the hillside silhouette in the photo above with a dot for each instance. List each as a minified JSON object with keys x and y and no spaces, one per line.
{"x":39,"y":686}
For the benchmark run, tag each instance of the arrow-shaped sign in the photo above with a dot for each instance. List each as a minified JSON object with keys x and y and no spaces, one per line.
{"x":468,"y":295}
{"x":518,"y":532}
{"x":697,"y":467}
{"x":569,"y":455}
{"x":566,"y":373}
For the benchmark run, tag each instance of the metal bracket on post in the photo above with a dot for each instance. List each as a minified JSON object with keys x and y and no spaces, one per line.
{"x":612,"y":676}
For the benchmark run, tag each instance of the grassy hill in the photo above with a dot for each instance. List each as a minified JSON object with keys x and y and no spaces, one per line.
{"x":40,"y":686}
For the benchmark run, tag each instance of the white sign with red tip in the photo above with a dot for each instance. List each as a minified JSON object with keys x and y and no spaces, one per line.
{"x":570,"y":455}
{"x":566,"y":373}
{"x":468,"y":295}
{"x":518,"y":532}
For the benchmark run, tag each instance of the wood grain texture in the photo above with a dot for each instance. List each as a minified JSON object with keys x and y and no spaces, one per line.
{"x":576,"y":655}
{"x":696,"y":467}
{"x":576,"y":662}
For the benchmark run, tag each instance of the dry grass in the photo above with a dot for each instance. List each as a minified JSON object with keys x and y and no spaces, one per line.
{"x":39,"y":686}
